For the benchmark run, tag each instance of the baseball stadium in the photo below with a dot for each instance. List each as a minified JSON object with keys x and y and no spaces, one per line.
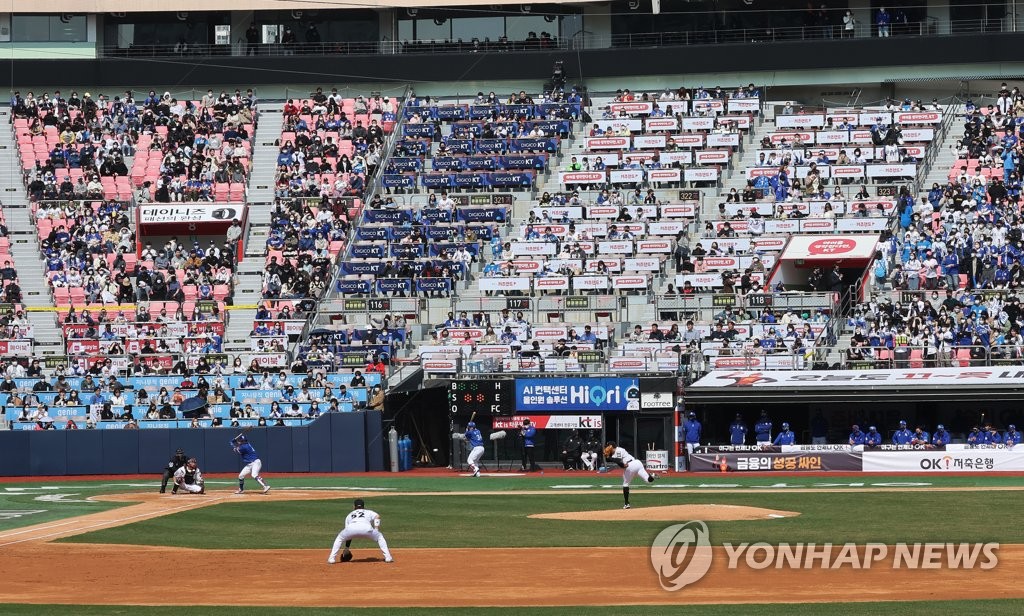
{"x":552,"y":308}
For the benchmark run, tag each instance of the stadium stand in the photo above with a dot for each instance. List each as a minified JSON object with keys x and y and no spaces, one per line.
{"x":566,"y":231}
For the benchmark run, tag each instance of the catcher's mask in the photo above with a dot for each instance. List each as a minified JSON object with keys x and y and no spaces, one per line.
{"x":192,"y":463}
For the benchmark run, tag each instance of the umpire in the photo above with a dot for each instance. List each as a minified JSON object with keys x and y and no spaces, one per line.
{"x":177,"y":461}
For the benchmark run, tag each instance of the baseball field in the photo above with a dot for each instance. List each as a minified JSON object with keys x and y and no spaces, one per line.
{"x":551,"y":544}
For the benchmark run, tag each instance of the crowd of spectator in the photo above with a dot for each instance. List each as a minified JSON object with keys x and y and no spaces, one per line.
{"x":303,"y":245}
{"x":968,"y":233}
{"x":182,"y":149}
{"x":331,"y":146}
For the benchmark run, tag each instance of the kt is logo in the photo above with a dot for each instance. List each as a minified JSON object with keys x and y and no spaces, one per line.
{"x":681,"y":554}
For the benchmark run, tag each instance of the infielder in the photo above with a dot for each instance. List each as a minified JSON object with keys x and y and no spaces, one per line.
{"x":253,"y":465}
{"x":189,"y":478}
{"x":631,"y":467}
{"x":476,"y":443}
{"x":360,"y":523}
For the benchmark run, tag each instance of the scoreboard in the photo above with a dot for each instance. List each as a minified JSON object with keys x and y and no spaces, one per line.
{"x":484,"y":397}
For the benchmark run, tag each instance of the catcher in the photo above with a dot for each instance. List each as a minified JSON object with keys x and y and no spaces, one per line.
{"x":189,"y":478}
{"x":631,"y":467}
{"x":177,"y":461}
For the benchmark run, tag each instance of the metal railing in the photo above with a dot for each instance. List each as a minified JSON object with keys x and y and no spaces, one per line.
{"x":374,"y":189}
{"x":582,"y":40}
{"x":923,"y":357}
{"x":924,"y":167}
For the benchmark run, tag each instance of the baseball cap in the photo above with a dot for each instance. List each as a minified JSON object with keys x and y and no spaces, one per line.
{"x":359,"y":504}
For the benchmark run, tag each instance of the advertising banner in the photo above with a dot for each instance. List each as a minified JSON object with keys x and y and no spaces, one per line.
{"x":969,"y":460}
{"x":702,"y":175}
{"x":856,"y":379}
{"x":744,"y":104}
{"x":21,"y":348}
{"x":192,"y":213}
{"x":581,"y":177}
{"x":800,"y":121}
{"x":599,"y":395}
{"x":720,"y":140}
{"x":550,"y":422}
{"x":902,"y":170}
{"x":761,"y":461}
{"x":606,"y":143}
{"x":919,"y":117}
{"x":633,"y":107}
{"x":505,"y":284}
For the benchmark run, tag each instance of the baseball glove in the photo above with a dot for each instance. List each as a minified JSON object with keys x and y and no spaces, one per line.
{"x":608,"y":451}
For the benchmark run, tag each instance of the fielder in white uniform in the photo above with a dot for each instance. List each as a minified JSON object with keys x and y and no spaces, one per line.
{"x":362,"y":523}
{"x":631,"y":467}
{"x":189,"y":478}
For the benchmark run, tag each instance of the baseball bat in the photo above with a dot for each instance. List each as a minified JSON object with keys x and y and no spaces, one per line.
{"x":244,"y":430}
{"x":473,"y":416}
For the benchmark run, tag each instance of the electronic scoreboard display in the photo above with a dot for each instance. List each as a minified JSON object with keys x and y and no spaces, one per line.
{"x":484,"y":397}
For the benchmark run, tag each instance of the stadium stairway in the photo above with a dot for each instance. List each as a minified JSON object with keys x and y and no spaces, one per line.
{"x":946,"y":157}
{"x":248,"y":292}
{"x":25,"y":245}
{"x":260,"y":201}
{"x":264,"y":155}
{"x":736,"y":177}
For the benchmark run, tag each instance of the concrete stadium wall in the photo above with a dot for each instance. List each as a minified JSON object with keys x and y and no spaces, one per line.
{"x":978,"y":55}
{"x":337,"y":442}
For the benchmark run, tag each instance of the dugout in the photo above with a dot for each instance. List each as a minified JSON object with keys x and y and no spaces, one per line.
{"x":955,"y":397}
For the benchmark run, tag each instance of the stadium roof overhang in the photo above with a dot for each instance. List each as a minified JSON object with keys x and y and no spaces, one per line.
{"x":977,"y":384}
{"x":160,"y":6}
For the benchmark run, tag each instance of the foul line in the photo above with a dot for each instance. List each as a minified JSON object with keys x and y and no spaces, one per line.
{"x":103,"y":523}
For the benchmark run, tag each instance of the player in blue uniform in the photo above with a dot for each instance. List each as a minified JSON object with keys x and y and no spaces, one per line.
{"x":1011,"y":438}
{"x":873,"y":438}
{"x":903,"y":436}
{"x":528,"y":432}
{"x":738,"y":431}
{"x":856,"y":436}
{"x":763,"y":430}
{"x":252,"y":462}
{"x":476,"y":444}
{"x":786,"y":437}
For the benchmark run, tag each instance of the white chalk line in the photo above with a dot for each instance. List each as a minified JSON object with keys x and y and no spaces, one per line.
{"x":113,"y":522}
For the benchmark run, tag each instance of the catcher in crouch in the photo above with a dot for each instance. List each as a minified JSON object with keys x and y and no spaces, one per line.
{"x":631,"y":467}
{"x":189,"y":478}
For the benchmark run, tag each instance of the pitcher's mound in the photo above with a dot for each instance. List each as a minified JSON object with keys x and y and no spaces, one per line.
{"x":673,"y":513}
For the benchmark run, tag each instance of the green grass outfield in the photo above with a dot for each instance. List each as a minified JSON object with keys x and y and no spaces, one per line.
{"x":917,"y":608}
{"x":858,"y":509}
{"x":469,"y":521}
{"x":25,"y":503}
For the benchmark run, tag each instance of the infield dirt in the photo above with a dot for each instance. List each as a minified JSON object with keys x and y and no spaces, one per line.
{"x":35,"y":570}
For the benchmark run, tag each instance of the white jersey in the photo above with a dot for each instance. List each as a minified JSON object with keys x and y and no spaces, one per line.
{"x":179,"y":475}
{"x":362,"y":518}
{"x":622,"y":454}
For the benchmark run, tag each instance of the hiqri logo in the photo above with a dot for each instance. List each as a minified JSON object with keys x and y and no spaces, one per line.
{"x":681,"y":554}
